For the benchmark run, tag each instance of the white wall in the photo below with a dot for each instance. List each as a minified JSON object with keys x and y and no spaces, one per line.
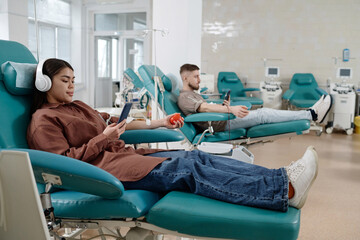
{"x":305,"y":34}
{"x":14,"y":21}
{"x":183,"y":43}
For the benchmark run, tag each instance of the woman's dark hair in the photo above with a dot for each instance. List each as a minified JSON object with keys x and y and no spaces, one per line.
{"x":51,"y":67}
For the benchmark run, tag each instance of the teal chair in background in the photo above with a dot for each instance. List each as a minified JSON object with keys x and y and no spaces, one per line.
{"x":303,"y":91}
{"x":230,"y":81}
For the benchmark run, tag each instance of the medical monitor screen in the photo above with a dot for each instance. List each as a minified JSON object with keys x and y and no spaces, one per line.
{"x":344,"y":73}
{"x":272,"y":72}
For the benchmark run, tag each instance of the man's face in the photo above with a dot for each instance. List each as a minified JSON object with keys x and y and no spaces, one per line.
{"x":193,"y":79}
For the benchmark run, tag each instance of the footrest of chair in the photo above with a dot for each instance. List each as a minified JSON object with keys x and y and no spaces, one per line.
{"x":278,"y":128}
{"x":195,"y":215}
{"x":221,"y":136}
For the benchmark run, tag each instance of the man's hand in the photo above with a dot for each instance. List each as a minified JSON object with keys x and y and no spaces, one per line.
{"x":178,"y":123}
{"x":114,"y":130}
{"x":239,"y":111}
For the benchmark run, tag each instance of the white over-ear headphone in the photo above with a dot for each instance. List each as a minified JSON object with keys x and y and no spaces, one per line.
{"x":42,"y":81}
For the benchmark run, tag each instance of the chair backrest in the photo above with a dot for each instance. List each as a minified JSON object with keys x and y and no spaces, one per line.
{"x":230,"y":81}
{"x":15,"y":100}
{"x":147,"y":73}
{"x":304,"y":85}
{"x":134,"y":78}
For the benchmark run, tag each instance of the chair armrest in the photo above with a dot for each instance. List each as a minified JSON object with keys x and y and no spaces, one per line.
{"x":288,"y":94}
{"x":204,"y":89}
{"x":151,"y":136}
{"x":321,"y":91}
{"x":232,"y":103}
{"x":205,"y":96}
{"x":74,"y":174}
{"x":211,"y":116}
{"x":251,"y":89}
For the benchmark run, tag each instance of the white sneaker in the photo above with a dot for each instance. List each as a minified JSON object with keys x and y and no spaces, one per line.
{"x":302,"y":174}
{"x":322,"y":107}
{"x":318,"y":102}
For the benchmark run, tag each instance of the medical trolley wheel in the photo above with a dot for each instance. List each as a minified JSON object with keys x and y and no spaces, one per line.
{"x":349,"y":131}
{"x":329,"y":130}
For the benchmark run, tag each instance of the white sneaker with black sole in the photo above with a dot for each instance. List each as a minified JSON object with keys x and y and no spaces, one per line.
{"x":322,"y":107}
{"x":302,"y":174}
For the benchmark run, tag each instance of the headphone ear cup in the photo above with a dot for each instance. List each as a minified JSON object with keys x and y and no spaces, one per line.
{"x":43,"y":83}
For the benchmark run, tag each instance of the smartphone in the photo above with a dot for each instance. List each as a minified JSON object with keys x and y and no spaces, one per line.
{"x":125,"y":112}
{"x":227,"y":96}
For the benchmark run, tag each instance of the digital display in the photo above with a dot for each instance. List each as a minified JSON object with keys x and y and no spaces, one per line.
{"x":345,"y":72}
{"x":246,"y":152}
{"x":272,"y":71}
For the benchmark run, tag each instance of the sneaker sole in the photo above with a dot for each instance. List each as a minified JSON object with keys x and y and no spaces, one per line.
{"x":303,"y":199}
{"x":331,"y":103}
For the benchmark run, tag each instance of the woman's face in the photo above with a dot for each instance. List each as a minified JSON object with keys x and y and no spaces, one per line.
{"x":62,"y":88}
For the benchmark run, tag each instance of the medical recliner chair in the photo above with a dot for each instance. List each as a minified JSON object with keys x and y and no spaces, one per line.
{"x":303,"y":91}
{"x":262,"y":132}
{"x":79,"y":196}
{"x":230,"y":81}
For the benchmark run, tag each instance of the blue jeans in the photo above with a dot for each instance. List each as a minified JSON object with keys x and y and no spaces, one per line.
{"x":267,"y":115}
{"x":217,"y":177}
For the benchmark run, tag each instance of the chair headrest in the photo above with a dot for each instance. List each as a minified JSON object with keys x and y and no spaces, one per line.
{"x":304,"y":81}
{"x":229,"y":77}
{"x":18,"y":77}
{"x":167,"y":83}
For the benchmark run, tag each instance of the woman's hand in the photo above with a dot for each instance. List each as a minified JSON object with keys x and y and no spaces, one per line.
{"x":239,"y":111}
{"x":114,"y":130}
{"x":178,"y":123}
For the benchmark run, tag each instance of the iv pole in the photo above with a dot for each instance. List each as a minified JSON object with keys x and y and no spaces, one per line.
{"x":157,"y":79}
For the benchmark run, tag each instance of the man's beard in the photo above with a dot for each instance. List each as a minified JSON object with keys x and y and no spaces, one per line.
{"x":194,"y":87}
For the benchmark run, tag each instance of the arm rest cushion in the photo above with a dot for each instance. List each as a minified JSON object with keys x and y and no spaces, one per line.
{"x":74,"y":174}
{"x":211,"y":116}
{"x":151,"y":136}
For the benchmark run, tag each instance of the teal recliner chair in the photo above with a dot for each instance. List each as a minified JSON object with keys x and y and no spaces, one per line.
{"x":264,"y":132}
{"x":86,"y":197}
{"x":303,"y":91}
{"x":230,"y":81}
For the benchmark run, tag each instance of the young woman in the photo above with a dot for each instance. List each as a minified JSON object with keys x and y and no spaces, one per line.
{"x":72,"y":128}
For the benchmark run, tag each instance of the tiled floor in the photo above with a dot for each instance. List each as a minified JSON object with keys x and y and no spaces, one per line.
{"x":332,"y":210}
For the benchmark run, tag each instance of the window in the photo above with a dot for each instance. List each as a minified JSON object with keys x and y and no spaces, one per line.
{"x":54,"y":26}
{"x":120,"y":21}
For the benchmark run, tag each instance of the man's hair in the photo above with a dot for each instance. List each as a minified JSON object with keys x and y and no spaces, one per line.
{"x":188,"y":67}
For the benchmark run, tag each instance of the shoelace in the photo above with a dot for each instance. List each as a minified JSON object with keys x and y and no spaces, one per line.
{"x":294,"y":170}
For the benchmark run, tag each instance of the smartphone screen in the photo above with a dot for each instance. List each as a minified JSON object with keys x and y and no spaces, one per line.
{"x":125,"y":111}
{"x":227,"y":95}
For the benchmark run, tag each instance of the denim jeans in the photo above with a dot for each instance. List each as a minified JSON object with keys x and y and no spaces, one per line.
{"x":217,"y":177}
{"x":267,"y":115}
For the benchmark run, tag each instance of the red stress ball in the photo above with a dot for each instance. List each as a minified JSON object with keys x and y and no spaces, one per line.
{"x":174,"y":118}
